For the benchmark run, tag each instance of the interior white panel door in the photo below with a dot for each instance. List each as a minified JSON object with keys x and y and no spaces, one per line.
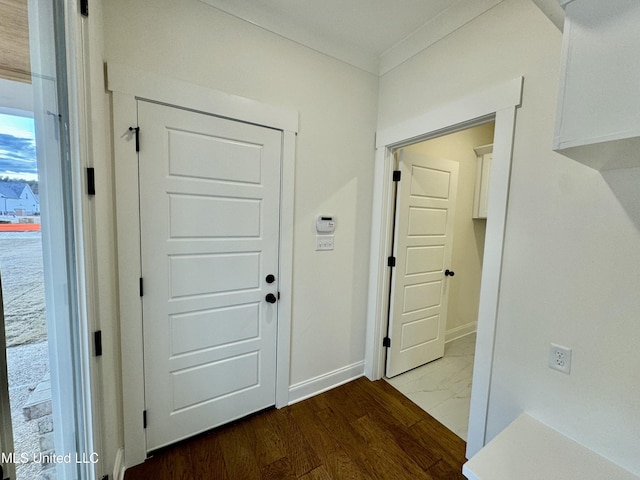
{"x":209,"y":219}
{"x":425,"y":212}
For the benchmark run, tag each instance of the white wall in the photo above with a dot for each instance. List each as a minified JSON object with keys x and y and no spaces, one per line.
{"x":194,"y":42}
{"x":468,"y":234}
{"x":572,"y":241}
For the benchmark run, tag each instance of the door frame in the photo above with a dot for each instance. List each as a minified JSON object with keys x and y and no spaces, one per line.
{"x":498,"y":104}
{"x":128,"y":85}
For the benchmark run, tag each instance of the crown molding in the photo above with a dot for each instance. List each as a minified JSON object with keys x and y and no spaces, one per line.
{"x":262,"y":16}
{"x":456,"y":16}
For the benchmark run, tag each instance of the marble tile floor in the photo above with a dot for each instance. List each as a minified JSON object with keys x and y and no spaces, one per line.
{"x":443,"y":387}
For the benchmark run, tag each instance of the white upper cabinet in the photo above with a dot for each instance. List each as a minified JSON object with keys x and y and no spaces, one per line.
{"x":598,"y":118}
{"x":484,"y":155}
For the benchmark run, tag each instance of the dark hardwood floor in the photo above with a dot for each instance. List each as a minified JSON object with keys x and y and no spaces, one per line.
{"x":361,"y":430}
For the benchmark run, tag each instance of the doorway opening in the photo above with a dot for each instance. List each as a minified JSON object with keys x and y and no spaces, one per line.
{"x":127,"y":84}
{"x":498,"y":103}
{"x":442,"y":328}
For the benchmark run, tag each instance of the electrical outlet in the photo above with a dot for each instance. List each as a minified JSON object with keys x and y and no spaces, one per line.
{"x":560,"y":358}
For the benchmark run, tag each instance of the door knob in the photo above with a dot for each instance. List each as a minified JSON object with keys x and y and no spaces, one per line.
{"x":270,"y":278}
{"x":270,"y":298}
{"x":449,"y":273}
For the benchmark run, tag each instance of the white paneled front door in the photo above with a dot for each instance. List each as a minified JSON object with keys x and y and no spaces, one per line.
{"x":209,"y":215}
{"x":425,"y":211}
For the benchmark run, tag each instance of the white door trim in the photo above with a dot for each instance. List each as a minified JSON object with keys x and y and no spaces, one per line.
{"x":500,"y":103}
{"x":149,"y":86}
{"x":127,"y":86}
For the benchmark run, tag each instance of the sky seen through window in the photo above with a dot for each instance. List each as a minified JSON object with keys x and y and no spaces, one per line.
{"x":17,"y":148}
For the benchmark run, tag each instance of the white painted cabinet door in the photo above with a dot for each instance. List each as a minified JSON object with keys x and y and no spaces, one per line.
{"x":209,"y":210}
{"x":423,"y":245}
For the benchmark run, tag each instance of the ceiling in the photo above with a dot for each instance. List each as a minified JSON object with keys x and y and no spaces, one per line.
{"x":374,"y":35}
{"x":373,"y":25}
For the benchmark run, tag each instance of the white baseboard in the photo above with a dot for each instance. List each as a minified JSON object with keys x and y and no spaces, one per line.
{"x":322,"y":383}
{"x":461,"y":331}
{"x":118,"y":467}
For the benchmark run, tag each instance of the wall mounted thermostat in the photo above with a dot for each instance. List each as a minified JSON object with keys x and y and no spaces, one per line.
{"x":325,"y":226}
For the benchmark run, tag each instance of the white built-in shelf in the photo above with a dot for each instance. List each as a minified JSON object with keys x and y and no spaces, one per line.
{"x":529,"y":450}
{"x":598,"y":115}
